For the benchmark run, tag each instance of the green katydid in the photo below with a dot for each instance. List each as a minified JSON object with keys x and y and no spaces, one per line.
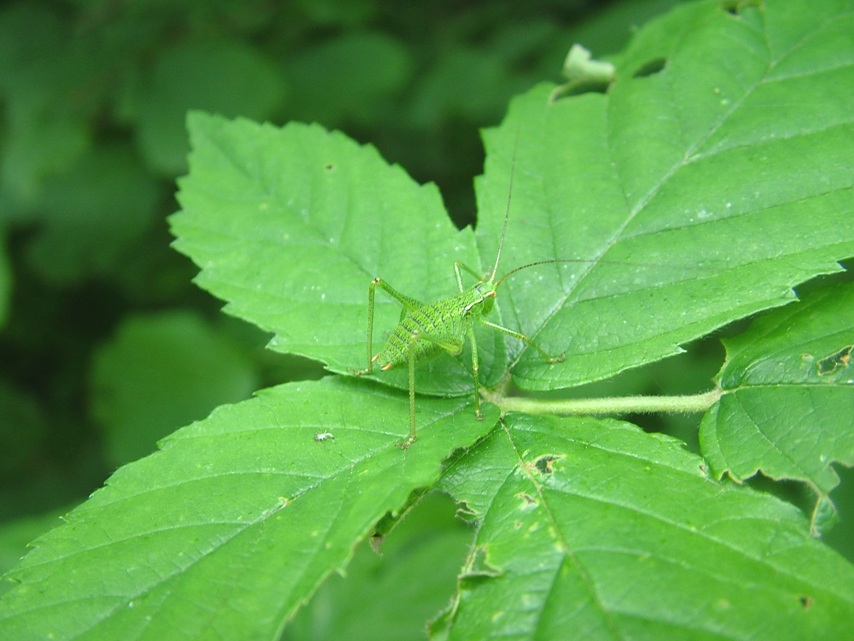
{"x":425,"y":329}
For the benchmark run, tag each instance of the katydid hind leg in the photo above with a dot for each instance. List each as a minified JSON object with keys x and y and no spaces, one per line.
{"x":475,"y":370}
{"x":409,"y":441}
{"x":451,"y":344}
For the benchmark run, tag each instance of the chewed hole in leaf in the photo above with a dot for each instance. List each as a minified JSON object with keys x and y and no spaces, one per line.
{"x":466,"y":513}
{"x":545,"y":463}
{"x":650,"y":68}
{"x":837,"y":360}
{"x":528,"y":501}
{"x":735,"y":7}
{"x":478,"y":567}
{"x":580,"y":87}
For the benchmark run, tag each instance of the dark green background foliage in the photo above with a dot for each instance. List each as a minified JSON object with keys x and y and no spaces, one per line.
{"x":713,"y":176}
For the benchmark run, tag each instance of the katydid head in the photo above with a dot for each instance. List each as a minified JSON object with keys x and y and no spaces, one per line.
{"x":488,"y":301}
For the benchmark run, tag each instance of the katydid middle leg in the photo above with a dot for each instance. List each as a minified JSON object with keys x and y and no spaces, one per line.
{"x":524,"y":339}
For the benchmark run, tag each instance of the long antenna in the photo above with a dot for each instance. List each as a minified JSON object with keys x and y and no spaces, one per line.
{"x":539,"y":262}
{"x":589,"y":261}
{"x":507,"y":211}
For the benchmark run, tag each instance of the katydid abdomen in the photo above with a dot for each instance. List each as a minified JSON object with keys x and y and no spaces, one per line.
{"x":430,"y":329}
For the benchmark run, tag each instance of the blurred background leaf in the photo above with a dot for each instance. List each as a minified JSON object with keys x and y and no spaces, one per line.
{"x":223,"y":76}
{"x":160,"y":372}
{"x":355,"y":77}
{"x":5,"y":278}
{"x":94,"y":217}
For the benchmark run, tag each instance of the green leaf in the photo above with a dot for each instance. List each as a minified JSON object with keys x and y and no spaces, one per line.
{"x":161,"y":372}
{"x":596,"y":527}
{"x":683,"y":218}
{"x":722,"y":185}
{"x":788,"y":397}
{"x":236,"y":521}
{"x":291,"y":225}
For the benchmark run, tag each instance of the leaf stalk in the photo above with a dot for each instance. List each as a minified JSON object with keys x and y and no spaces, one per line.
{"x":607,"y":405}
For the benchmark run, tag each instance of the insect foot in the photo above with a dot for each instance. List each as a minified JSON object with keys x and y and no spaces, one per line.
{"x":368,"y":370}
{"x":405,"y":444}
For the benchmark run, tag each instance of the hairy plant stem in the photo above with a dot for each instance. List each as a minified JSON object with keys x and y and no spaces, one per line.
{"x":605,"y":405}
